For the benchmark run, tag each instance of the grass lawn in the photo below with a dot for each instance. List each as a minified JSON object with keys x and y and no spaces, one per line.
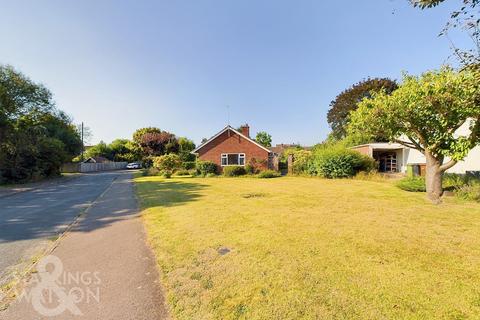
{"x":307,"y":248}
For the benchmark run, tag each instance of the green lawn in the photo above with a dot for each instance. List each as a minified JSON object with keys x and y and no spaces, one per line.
{"x":307,"y":248}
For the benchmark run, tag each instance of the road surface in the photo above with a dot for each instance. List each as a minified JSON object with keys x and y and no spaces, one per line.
{"x":104,"y":257}
{"x":31,"y":219}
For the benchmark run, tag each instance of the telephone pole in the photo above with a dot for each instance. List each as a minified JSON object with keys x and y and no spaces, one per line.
{"x":83,"y":145}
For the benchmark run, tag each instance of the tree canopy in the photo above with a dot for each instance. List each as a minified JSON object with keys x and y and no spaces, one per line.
{"x":338,"y":116}
{"x":35,"y":137}
{"x":425,"y":113}
{"x":264,"y":139}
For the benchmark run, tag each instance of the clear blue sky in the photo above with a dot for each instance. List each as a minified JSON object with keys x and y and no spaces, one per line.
{"x":121,"y":65}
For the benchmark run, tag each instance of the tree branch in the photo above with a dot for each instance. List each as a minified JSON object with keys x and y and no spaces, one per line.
{"x":417,"y":144}
{"x":448,"y":165}
{"x":409,"y":144}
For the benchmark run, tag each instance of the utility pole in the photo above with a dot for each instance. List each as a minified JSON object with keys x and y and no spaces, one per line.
{"x":83,"y":145}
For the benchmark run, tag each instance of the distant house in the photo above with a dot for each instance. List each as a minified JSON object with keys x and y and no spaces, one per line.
{"x":230,"y":147}
{"x":395,"y":157}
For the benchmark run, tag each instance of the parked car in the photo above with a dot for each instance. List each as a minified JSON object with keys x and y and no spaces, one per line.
{"x":134,"y":165}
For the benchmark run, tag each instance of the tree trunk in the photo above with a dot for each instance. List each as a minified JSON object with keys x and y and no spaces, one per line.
{"x":433,"y":178}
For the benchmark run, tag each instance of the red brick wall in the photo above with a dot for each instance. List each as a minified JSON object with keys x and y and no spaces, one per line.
{"x":364,"y":150}
{"x":230,"y":142}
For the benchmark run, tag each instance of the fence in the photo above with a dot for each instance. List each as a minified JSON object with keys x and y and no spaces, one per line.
{"x":93,"y":167}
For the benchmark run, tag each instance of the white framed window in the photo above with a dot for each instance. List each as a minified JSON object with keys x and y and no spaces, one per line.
{"x":232,"y":159}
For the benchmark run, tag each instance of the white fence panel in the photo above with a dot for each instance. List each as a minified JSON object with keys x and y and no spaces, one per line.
{"x":93,"y":167}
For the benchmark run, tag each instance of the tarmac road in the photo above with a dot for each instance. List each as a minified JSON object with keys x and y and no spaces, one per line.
{"x":105,"y":249}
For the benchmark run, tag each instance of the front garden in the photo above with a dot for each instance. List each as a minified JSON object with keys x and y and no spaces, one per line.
{"x":306,"y":248}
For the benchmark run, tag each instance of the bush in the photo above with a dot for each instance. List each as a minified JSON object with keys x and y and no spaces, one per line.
{"x":267,"y":174}
{"x":234,"y":171}
{"x":182,"y":172}
{"x":254,"y":165}
{"x":301,"y":161}
{"x":249,"y":169}
{"x":469,"y":191}
{"x":338,"y":162}
{"x":150,"y":172}
{"x":188,"y":165}
{"x":167,"y":164}
{"x":412,"y":184}
{"x":452,"y":180}
{"x":206,"y":167}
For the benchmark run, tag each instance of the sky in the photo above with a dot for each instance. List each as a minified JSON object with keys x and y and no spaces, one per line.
{"x":177,"y":65}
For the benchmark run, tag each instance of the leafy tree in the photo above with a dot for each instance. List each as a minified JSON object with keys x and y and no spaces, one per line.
{"x":118,"y":150}
{"x":124,"y":150}
{"x":424,"y":114}
{"x":339,"y":114}
{"x":185,"y":146}
{"x":99,"y":150}
{"x":35,"y":137}
{"x":139,"y":133}
{"x":264,"y":139}
{"x":155,"y":142}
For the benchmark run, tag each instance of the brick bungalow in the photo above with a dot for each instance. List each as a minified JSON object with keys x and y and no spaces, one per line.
{"x":230,"y":147}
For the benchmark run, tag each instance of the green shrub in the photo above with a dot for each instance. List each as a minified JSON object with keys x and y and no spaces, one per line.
{"x":182,"y":172}
{"x":301,"y":161}
{"x":338,"y":162}
{"x":188,"y":165}
{"x":267,"y":174}
{"x":452,"y":180}
{"x":412,"y":184}
{"x":249,"y":169}
{"x":210,"y":175}
{"x":254,"y":165}
{"x":150,"y":172}
{"x":167,"y":164}
{"x":234,"y":171}
{"x":206,"y":167}
{"x":469,"y":191}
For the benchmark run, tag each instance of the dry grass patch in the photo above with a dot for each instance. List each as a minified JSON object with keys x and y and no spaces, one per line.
{"x":305,"y":248}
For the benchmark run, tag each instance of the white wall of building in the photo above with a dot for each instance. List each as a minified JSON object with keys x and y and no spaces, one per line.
{"x":470,"y":163}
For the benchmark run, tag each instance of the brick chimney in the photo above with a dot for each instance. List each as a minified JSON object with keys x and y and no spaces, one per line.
{"x":245,"y":130}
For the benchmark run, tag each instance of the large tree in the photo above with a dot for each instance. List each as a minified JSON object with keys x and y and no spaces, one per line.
{"x":425,"y":113}
{"x":264,"y":139}
{"x":155,"y":142}
{"x":339,"y":114}
{"x":35,"y":137}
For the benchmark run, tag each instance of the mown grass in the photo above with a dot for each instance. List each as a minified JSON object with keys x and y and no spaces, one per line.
{"x":307,"y":248}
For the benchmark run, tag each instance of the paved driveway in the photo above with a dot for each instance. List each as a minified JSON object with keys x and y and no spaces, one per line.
{"x":31,"y":219}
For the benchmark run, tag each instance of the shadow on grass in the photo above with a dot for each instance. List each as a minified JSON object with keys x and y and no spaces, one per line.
{"x":167,"y":193}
